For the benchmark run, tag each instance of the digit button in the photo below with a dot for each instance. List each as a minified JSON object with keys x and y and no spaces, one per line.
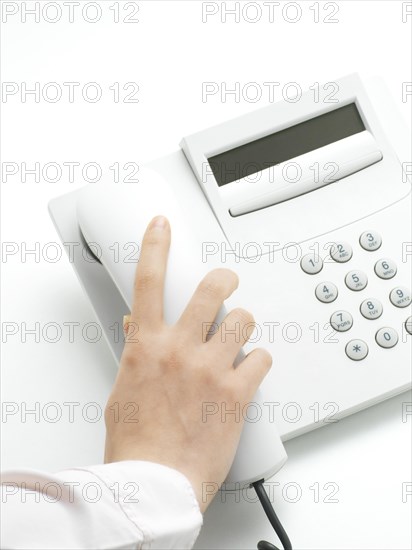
{"x":341,"y":252}
{"x":341,"y":321}
{"x":356,"y":280}
{"x":385,"y":269}
{"x":371,"y":308}
{"x":326,"y":292}
{"x":387,"y":337}
{"x":400,"y":296}
{"x":311,"y":264}
{"x":370,"y":240}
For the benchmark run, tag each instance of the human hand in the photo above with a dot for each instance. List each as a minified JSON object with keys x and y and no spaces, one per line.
{"x":167,"y":373}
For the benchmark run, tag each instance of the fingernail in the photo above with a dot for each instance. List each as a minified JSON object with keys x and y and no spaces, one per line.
{"x":159,"y":222}
{"x":126,"y":321}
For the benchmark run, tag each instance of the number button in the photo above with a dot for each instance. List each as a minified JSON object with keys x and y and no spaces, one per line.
{"x":370,"y":240}
{"x":408,"y":325}
{"x":341,"y":252}
{"x":386,"y":337}
{"x":400,"y":296}
{"x":371,"y":309}
{"x":356,"y":350}
{"x":326,"y":292}
{"x":311,"y":264}
{"x":356,"y":280}
{"x":341,"y":321}
{"x":385,"y":269}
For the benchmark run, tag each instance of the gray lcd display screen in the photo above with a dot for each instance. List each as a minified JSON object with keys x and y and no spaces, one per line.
{"x":287,"y":144}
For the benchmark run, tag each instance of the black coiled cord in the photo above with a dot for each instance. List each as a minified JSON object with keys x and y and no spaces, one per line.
{"x":272,"y":517}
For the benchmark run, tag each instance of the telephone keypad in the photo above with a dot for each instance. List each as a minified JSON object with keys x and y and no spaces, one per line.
{"x":357,"y":280}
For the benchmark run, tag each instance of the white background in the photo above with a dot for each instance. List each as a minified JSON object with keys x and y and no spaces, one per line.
{"x":170,"y":53}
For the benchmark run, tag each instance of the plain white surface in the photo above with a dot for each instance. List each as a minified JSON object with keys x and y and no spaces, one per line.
{"x":169,"y":53}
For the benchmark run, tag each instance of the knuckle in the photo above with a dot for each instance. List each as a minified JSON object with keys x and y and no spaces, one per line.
{"x":229,"y":387}
{"x":129,"y":359}
{"x":151,"y":239}
{"x":207,"y":375}
{"x":217,"y":282}
{"x":171,"y":359}
{"x":174,"y":354}
{"x":211,"y":288}
{"x":146,"y":279}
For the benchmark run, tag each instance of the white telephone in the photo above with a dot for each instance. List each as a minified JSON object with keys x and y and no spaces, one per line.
{"x":310,"y":203}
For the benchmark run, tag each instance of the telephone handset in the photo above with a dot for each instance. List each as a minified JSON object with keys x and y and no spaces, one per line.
{"x":112,"y":219}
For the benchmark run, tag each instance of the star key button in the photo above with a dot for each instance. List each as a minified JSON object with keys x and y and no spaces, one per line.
{"x":356,"y":350}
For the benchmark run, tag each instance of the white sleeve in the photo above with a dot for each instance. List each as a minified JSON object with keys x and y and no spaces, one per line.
{"x":122,"y":505}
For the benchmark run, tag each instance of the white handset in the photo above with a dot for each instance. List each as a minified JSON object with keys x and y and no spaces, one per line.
{"x":112,"y":219}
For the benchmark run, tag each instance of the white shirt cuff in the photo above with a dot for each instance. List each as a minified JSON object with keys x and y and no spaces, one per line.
{"x":122,"y":505}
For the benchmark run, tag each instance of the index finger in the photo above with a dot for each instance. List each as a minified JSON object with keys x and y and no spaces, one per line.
{"x":150,"y":273}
